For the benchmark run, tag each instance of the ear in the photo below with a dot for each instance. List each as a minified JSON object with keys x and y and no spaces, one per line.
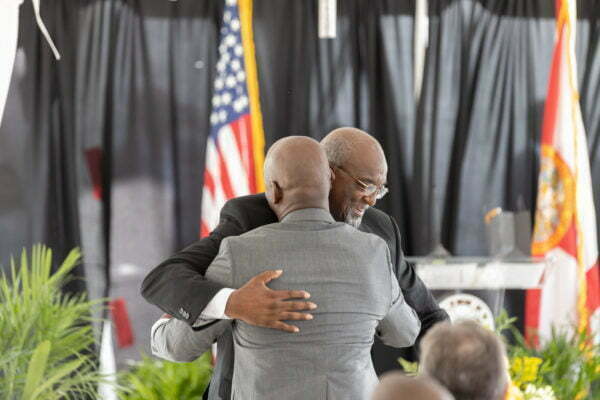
{"x":331,"y":176}
{"x":277,"y":193}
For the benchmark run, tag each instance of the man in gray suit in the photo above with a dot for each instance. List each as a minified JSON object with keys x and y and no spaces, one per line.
{"x":348,"y":273}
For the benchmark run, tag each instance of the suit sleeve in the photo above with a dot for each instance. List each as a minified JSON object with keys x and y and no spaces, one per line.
{"x":177,"y":285}
{"x":401,"y":326}
{"x":174,"y":340}
{"x":415,"y":292}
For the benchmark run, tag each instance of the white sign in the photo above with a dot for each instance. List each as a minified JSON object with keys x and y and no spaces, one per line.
{"x":327,"y":19}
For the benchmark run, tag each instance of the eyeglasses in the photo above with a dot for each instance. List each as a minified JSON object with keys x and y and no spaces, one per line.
{"x":368,"y":189}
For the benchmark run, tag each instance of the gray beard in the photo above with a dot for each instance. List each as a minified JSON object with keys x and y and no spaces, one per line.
{"x":354,"y":222}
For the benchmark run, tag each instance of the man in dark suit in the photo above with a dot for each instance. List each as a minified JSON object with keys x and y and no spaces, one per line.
{"x":179,"y":288}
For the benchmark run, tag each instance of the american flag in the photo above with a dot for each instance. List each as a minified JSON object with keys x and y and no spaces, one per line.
{"x":235,"y":147}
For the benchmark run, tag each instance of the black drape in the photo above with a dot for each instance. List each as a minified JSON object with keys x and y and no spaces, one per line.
{"x":153,"y":117}
{"x":480,"y":117}
{"x":105,"y":148}
{"x":38,"y":172}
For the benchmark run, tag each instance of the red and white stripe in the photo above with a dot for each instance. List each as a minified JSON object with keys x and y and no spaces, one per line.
{"x":229,"y":170}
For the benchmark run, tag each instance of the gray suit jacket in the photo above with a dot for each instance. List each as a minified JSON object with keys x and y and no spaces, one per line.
{"x":349,"y":276}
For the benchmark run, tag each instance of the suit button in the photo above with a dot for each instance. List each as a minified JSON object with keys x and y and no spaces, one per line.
{"x":184,"y":313}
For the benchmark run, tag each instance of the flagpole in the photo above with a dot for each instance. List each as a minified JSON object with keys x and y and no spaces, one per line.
{"x":258,"y":135}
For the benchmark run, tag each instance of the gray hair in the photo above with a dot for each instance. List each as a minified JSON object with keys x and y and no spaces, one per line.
{"x":342,"y":143}
{"x":468,"y":359}
{"x":338,"y":149}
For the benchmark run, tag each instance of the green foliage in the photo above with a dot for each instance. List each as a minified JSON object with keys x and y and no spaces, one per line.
{"x":570,"y":363}
{"x":45,"y":335}
{"x":154,"y":379}
{"x":35,"y":370}
{"x":410,"y":368}
{"x":505,"y":323}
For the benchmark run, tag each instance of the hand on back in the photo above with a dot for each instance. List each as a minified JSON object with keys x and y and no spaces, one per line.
{"x":256,"y":304}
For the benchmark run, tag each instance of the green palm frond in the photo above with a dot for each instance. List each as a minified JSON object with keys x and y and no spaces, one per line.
{"x":46,"y":338}
{"x":35,"y":371}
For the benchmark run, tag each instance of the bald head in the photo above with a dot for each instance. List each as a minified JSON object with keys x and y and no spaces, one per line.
{"x":397,"y":386}
{"x":297,"y":175}
{"x":345,"y":144}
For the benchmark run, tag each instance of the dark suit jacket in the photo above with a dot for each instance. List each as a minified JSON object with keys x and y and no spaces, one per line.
{"x":178,"y":287}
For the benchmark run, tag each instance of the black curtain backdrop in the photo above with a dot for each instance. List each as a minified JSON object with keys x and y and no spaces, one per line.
{"x":104,"y":149}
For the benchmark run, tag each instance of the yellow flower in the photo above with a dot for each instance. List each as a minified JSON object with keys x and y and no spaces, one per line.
{"x":524,"y":369}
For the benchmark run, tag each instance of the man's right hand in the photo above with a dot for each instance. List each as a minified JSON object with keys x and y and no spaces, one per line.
{"x":256,"y":304}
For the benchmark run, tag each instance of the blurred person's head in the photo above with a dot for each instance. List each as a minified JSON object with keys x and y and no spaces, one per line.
{"x":468,"y":359}
{"x":297,"y":175}
{"x":397,"y":386}
{"x":360,"y":173}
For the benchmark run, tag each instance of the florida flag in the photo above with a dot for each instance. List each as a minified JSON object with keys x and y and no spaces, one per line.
{"x":565,"y":220}
{"x":235,"y":147}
